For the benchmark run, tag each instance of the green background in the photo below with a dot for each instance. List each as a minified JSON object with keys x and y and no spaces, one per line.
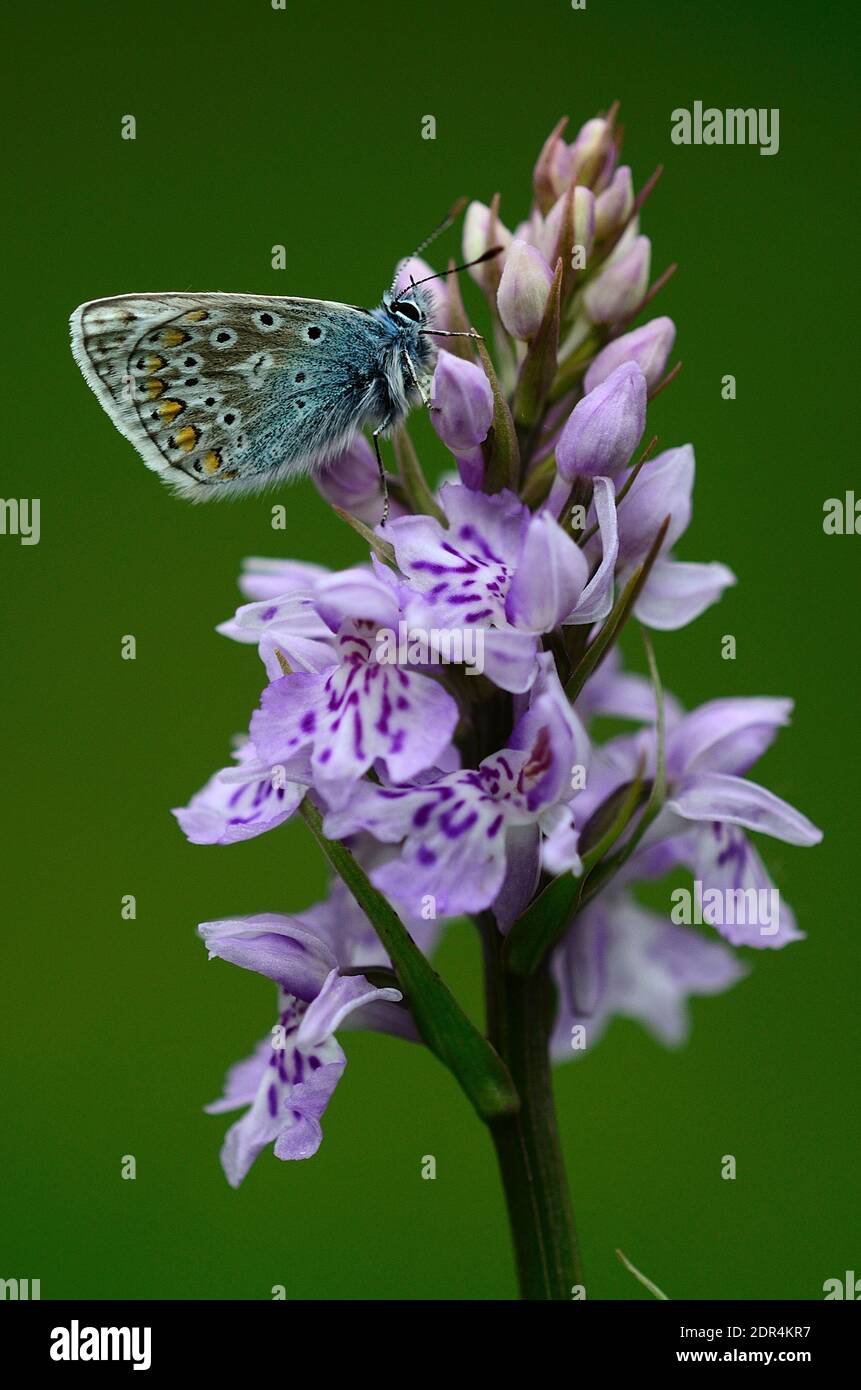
{"x":257,"y":127}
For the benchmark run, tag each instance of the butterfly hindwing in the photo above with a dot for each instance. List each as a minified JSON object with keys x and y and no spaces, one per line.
{"x":228,"y":390}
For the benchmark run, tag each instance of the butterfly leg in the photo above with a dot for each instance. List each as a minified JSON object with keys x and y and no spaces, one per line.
{"x":416,"y":383}
{"x":375,"y":435}
{"x":446,"y":333}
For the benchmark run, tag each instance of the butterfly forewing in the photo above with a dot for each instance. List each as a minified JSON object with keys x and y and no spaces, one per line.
{"x":228,"y":391}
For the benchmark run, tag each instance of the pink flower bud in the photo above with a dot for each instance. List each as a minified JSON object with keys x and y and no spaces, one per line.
{"x":351,"y":481}
{"x":613,"y":206}
{"x":583,"y":216}
{"x":604,"y":428}
{"x":648,"y":346}
{"x":589,"y":151}
{"x":551,"y":175}
{"x":621,"y":285}
{"x":462,"y":402}
{"x":481,"y":230}
{"x":523,"y":290}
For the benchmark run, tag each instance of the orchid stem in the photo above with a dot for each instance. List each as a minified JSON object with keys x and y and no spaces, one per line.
{"x":519,"y":1019}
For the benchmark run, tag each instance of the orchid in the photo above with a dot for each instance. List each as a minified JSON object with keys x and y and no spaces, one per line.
{"x":440,"y":785}
{"x":288,"y":1080}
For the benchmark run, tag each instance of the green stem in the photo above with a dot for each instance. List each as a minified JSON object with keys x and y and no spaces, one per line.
{"x":519,"y":1019}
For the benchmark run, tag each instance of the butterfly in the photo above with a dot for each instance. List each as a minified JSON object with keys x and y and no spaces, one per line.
{"x":228,"y":393}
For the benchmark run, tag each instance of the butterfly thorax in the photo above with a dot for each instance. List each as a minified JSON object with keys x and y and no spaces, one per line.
{"x":409,"y":356}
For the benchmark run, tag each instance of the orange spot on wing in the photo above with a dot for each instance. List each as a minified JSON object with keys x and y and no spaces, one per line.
{"x":172,"y":337}
{"x":154,"y":362}
{"x":153,"y":388}
{"x":168,"y":410}
{"x":212,"y":461}
{"x":196,"y":316}
{"x":186,"y":438}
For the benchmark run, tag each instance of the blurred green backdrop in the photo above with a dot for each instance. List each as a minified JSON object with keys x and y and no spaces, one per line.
{"x":302,"y":127}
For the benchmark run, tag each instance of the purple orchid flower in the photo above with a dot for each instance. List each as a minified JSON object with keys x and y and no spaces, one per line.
{"x":351,"y":481}
{"x":289,"y":624}
{"x":676,"y":592}
{"x":289,"y":1079}
{"x":468,"y":806}
{"x":708,"y":805}
{"x":462,"y":413}
{"x":620,"y":959}
{"x":355,"y":709}
{"x":243,"y":801}
{"x":470,"y":839}
{"x":500,"y":568}
{"x":263,"y":578}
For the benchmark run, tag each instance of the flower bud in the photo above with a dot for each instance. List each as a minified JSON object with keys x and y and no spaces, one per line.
{"x":648,"y":346}
{"x":550,"y":176}
{"x":481,"y":230}
{"x":620,"y":286}
{"x":613,"y":206}
{"x":604,"y":428}
{"x":351,"y":481}
{"x":523,"y":290}
{"x":589,"y":150}
{"x":583,"y":217}
{"x":462,"y":403}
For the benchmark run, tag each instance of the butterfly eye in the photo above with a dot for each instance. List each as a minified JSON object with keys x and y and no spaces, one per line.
{"x":408,"y":311}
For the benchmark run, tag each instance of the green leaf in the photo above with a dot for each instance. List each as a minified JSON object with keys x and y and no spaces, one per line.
{"x":543,"y":922}
{"x":501,"y":450}
{"x":657,"y":791}
{"x":625,"y":802}
{"x":419,"y":494}
{"x":539,"y":482}
{"x":442,"y":1023}
{"x":383,"y":549}
{"x":619,"y":615}
{"x":539,"y":364}
{"x":538,"y":930}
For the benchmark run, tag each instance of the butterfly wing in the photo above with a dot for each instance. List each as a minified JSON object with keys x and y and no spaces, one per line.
{"x":225,"y":393}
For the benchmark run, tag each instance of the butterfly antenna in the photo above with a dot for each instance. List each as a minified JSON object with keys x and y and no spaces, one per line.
{"x":456,"y":269}
{"x":451,"y":216}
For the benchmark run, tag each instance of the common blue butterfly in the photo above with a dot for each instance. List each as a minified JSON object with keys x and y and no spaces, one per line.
{"x":227,"y":393}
